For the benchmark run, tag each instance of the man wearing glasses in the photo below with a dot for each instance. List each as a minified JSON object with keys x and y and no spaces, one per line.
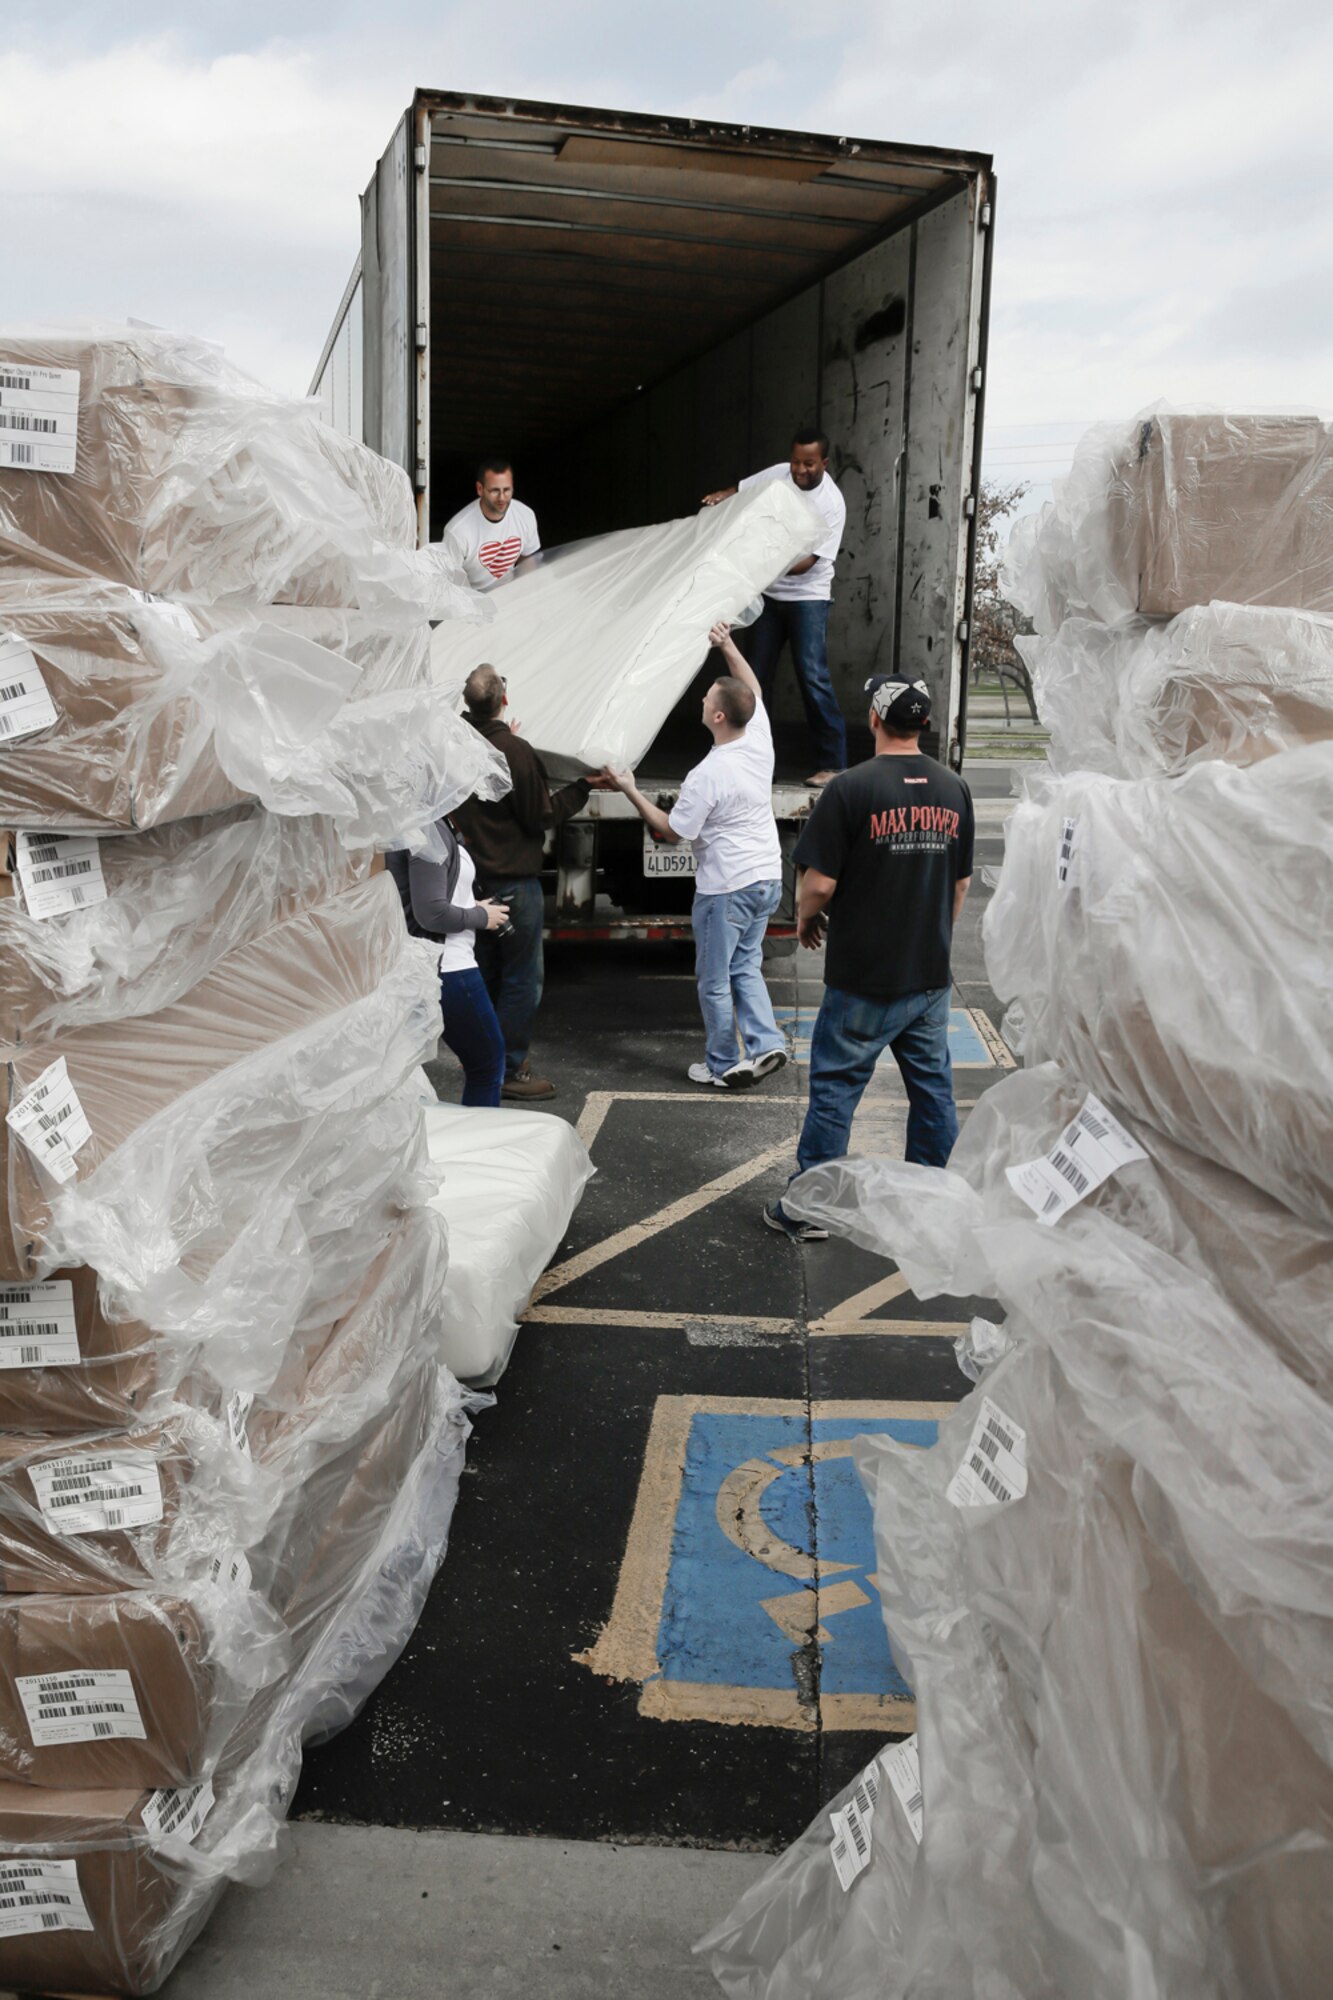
{"x":504,"y":837}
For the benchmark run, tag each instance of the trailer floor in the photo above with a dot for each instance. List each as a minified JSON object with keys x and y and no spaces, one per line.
{"x":602,"y":1666}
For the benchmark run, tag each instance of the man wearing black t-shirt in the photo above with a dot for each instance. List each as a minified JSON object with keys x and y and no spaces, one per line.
{"x":887,"y":856}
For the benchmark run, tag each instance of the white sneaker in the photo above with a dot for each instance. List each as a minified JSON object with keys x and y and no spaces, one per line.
{"x":738,"y":1077}
{"x":770,"y":1060}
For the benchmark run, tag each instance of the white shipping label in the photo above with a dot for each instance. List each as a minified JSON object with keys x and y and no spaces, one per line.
{"x":181,"y":1812}
{"x":37,"y":1328}
{"x":169,"y":613}
{"x":92,"y":1492}
{"x":995,"y":1464}
{"x":850,"y":1845}
{"x":238,"y":1409}
{"x":902,"y":1767}
{"x":230,"y":1572}
{"x":49,"y":1119}
{"x":39,"y":418}
{"x":1087,"y":1152}
{"x":1064,"y":859}
{"x":59,"y":872}
{"x":25,"y":702}
{"x":41,"y":1896}
{"x":79,"y":1707}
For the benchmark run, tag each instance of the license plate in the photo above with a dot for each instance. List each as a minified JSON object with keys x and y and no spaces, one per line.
{"x":661,"y":858}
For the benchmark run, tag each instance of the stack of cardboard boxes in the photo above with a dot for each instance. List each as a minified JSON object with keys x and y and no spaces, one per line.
{"x":1108,"y":1580}
{"x":228,"y":1449}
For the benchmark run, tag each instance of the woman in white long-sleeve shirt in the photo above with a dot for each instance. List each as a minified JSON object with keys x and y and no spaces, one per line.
{"x":438,"y":897}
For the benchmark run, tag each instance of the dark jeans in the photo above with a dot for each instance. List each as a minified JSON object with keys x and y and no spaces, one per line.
{"x":473,"y":1033}
{"x":512,"y":965}
{"x":802,"y":625}
{"x":850,"y":1036}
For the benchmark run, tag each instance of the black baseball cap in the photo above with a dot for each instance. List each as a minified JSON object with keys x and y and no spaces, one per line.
{"x":906,"y":704}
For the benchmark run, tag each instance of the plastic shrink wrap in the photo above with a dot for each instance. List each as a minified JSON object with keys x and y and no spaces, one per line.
{"x":103,"y":1891}
{"x":511,"y":1180}
{"x":1167,"y":944}
{"x":1154,"y":1586}
{"x":1175,"y":509}
{"x":145,"y":458}
{"x":598,"y":644}
{"x":127,"y":713}
{"x":1233,"y":681}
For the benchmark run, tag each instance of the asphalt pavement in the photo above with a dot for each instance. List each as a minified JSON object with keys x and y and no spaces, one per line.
{"x":648,"y":1658}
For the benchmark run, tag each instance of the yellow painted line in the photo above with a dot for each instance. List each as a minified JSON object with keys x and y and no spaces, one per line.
{"x":878,"y":1294}
{"x":652,"y":1322}
{"x":992,"y":1037}
{"x":665,"y":1218}
{"x":599,"y":1102}
{"x":772,"y":1708}
{"x":896,"y":1328}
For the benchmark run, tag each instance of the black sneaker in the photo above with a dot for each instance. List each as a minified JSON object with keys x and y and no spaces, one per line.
{"x":770,"y":1060}
{"x":777,"y":1218}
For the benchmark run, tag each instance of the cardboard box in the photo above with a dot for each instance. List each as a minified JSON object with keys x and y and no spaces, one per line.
{"x":183,"y":478}
{"x":100,"y":1379}
{"x":61,"y":1501}
{"x":123,"y":1072}
{"x":1238,"y":508}
{"x":178,"y":899}
{"x":134,"y":1663}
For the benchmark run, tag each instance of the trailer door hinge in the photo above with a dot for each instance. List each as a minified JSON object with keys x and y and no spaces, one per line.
{"x":420,"y":158}
{"x":420,"y":480}
{"x":984,"y":218}
{"x":976,"y":379}
{"x":970,"y":505}
{"x":962,"y":631}
{"x":422,"y":337}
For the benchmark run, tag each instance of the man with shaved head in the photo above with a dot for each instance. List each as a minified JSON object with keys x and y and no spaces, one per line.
{"x":505,"y":838}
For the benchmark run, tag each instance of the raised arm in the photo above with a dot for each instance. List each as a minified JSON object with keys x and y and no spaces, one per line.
{"x":737,"y":664}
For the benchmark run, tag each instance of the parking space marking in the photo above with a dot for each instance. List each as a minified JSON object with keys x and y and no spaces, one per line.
{"x":638,"y":1233}
{"x":726,"y":1494}
{"x":599,"y":1102}
{"x":973,"y":1042}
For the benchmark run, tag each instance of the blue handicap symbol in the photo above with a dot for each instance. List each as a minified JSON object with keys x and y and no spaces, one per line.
{"x":966,"y":1047}
{"x":736,"y":1594}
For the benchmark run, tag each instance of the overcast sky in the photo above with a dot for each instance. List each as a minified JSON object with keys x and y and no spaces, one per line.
{"x":1164,"y":227}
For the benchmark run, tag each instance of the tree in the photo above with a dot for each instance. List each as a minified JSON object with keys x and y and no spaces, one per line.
{"x":995,"y":621}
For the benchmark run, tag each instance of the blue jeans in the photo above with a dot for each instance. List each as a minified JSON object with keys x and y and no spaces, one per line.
{"x":512,"y":965}
{"x":729,"y":963}
{"x":473,"y":1033}
{"x":803,"y":625}
{"x":850,"y":1036}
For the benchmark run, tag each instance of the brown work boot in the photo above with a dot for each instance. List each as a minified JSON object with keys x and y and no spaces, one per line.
{"x":523,"y":1087}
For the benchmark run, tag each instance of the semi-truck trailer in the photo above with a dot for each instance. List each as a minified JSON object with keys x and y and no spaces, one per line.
{"x":639,"y":310}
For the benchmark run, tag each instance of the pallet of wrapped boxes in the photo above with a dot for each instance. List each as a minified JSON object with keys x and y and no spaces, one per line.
{"x":1109,"y":1580}
{"x":228,"y":1447}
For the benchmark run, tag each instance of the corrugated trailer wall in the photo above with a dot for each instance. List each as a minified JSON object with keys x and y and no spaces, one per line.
{"x":878,"y":353}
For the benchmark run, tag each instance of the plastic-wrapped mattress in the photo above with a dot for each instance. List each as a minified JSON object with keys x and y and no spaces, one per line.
{"x":599,"y":642}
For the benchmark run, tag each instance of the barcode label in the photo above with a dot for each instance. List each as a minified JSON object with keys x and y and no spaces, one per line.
{"x":25,"y":702}
{"x":171,"y":614}
{"x":1088,"y":1151}
{"x":59,"y":872}
{"x":80,"y":1708}
{"x":92,"y":1493}
{"x":901,"y":1765}
{"x":1066,"y":853}
{"x":37,"y":1327}
{"x":179,"y":1812}
{"x":41,"y":1896}
{"x":994,"y":1467}
{"x":49,"y":1120}
{"x":850,"y":1843}
{"x":231,"y":1571}
{"x":39,"y":418}
{"x":238,"y":1409}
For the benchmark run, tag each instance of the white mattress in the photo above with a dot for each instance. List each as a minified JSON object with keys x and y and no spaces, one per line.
{"x":512,"y":1180}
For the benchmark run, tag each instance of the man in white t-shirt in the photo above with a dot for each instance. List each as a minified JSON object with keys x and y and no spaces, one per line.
{"x":494,"y":533}
{"x":796,"y":605}
{"x":725,"y":809}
